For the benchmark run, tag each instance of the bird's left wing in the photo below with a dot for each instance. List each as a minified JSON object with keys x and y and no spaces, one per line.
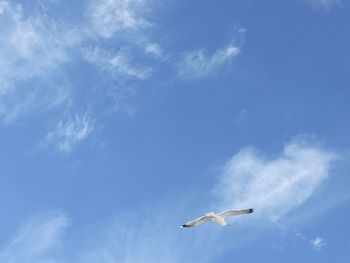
{"x":197,"y":221}
{"x":236,"y":212}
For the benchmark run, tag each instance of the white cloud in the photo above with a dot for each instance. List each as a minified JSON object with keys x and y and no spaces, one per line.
{"x":273,"y":186}
{"x":124,"y":23}
{"x":109,"y":17}
{"x":325,"y":5}
{"x":36,"y":242}
{"x":69,"y":133}
{"x":118,"y":64}
{"x":198,"y":64}
{"x":154,"y":50}
{"x":35,"y":49}
{"x":32,"y":48}
{"x":317,"y":243}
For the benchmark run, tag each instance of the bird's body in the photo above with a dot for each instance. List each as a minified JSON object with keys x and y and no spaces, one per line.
{"x":217,"y":218}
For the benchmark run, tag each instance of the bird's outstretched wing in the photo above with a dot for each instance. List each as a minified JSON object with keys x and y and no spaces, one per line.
{"x":197,"y":221}
{"x":236,"y":212}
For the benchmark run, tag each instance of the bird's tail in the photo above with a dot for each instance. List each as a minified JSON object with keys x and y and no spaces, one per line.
{"x":220,"y":220}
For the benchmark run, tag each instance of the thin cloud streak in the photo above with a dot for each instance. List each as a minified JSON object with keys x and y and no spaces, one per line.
{"x":198,"y":64}
{"x":38,"y":240}
{"x":118,"y":65}
{"x":324,"y":5}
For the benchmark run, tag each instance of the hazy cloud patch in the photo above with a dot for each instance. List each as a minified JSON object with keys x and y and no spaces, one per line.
{"x":38,"y":240}
{"x":324,"y":5}
{"x":273,"y":186}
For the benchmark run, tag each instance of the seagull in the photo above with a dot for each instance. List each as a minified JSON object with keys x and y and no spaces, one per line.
{"x":217,"y":218}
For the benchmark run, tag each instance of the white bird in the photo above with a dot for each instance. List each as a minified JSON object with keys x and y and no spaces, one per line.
{"x":217,"y":218}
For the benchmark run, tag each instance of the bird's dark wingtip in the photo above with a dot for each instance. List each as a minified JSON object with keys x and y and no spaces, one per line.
{"x":184,"y":225}
{"x":251,"y":210}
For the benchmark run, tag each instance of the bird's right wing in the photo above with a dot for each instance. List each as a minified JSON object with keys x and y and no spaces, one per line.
{"x":236,"y":212}
{"x":197,"y":221}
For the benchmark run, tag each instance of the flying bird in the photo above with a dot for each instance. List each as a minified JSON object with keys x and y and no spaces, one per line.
{"x":217,"y":218}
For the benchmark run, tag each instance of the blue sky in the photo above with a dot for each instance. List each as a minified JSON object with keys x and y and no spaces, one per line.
{"x":122,"y":119}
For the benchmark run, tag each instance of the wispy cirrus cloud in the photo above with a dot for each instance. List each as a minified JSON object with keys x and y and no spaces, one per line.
{"x":32,"y":50}
{"x":117,"y":64}
{"x":31,"y":46}
{"x":199,"y":63}
{"x":38,"y":240}
{"x":38,"y":54}
{"x":35,"y":48}
{"x":109,"y":17}
{"x":324,"y":5}
{"x":71,"y":132}
{"x":274,"y":186}
{"x":123,"y":23}
{"x":154,"y":50}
